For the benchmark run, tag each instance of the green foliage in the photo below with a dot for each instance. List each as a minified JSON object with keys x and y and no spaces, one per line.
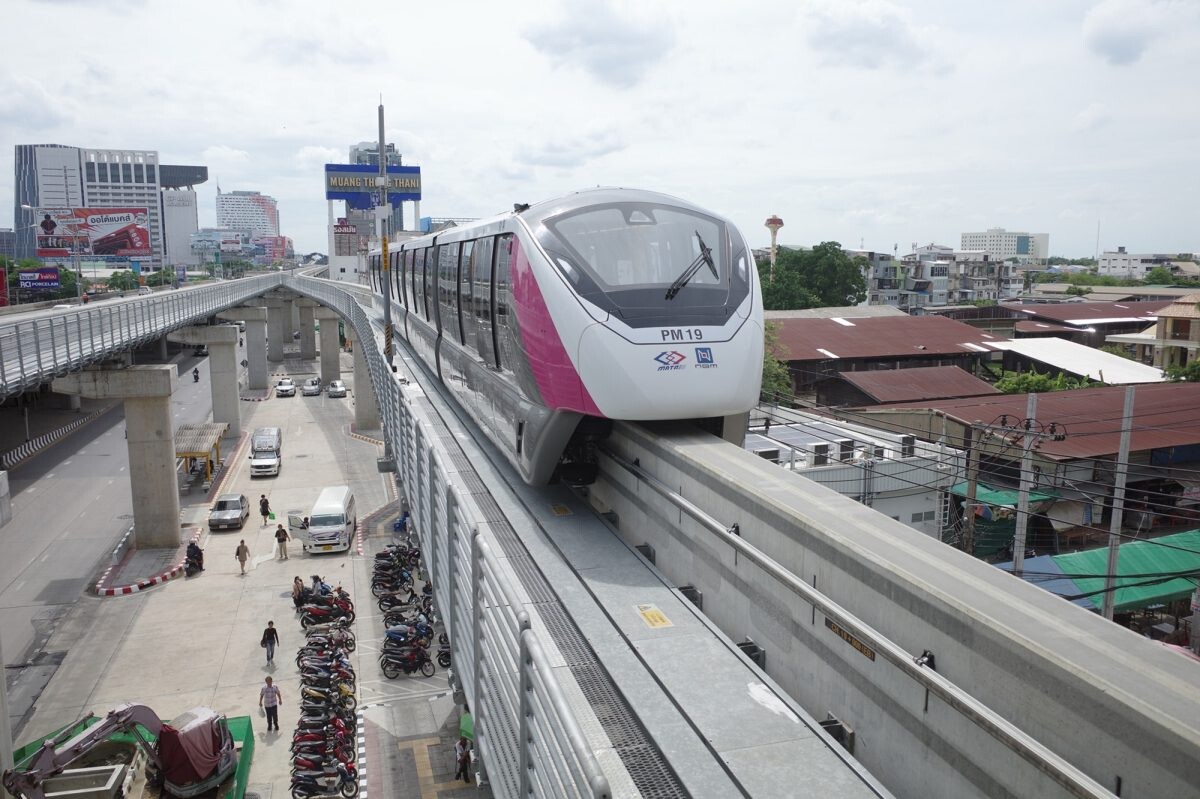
{"x":776,"y":380}
{"x":1033,"y":382}
{"x":122,"y":281}
{"x":1085,"y":279}
{"x":1189,"y":373}
{"x":163,"y":277}
{"x":820,"y":277}
{"x":1116,"y":349}
{"x":1159,"y":276}
{"x":1076,"y":291}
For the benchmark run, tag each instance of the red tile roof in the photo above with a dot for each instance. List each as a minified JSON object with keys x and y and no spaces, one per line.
{"x":878,"y":337}
{"x":922,"y":383}
{"x":1165,"y":415}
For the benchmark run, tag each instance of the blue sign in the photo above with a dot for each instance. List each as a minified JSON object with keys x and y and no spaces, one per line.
{"x":46,"y":278}
{"x":356,"y":184}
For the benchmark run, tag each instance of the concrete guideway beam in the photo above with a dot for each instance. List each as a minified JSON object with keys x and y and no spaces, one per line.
{"x":308,"y":339}
{"x":331,"y":364}
{"x":146,"y":391}
{"x":366,"y":409}
{"x":255,"y":318}
{"x":221,"y":341}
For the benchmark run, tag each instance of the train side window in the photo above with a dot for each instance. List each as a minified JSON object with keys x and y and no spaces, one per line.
{"x":432,"y":285}
{"x":419,"y":284}
{"x":410,"y":282}
{"x":466,"y":319}
{"x":482,"y":282}
{"x":395,"y":256}
{"x":427,"y":276}
{"x":447,"y":277}
{"x":502,"y":301}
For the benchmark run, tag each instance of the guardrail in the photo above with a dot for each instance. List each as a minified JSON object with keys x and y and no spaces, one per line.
{"x":33,"y":351}
{"x":526,"y":732}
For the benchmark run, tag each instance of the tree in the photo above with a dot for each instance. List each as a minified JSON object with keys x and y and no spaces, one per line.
{"x":1159,"y":276}
{"x":122,"y":281}
{"x":776,"y":379}
{"x":1117,"y":349}
{"x":820,"y":277}
{"x":1189,"y":373}
{"x":162,"y":277}
{"x":1076,"y":291}
{"x":1033,"y":382}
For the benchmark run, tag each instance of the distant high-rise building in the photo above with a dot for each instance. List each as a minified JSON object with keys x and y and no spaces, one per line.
{"x":1003,"y":244}
{"x":248,"y":210}
{"x":59,"y":176}
{"x":366,"y":153}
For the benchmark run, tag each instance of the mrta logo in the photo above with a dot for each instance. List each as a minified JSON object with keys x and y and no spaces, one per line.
{"x":670,"y":360}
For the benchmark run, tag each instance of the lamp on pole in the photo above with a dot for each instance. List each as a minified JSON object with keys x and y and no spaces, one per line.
{"x":773,"y":224}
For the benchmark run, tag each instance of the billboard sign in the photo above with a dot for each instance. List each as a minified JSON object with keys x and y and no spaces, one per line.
{"x":119,"y":232}
{"x":355,"y":183}
{"x":44,"y":278}
{"x":180,"y":274}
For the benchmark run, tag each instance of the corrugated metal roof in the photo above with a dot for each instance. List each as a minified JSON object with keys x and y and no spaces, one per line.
{"x":1029,"y":326}
{"x":878,"y":337}
{"x":1165,"y":415}
{"x":848,"y":312}
{"x":1078,"y":359}
{"x":1084,"y":314}
{"x":926,"y":382}
{"x":197,"y":440}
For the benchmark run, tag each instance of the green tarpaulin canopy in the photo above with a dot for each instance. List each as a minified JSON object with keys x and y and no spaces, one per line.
{"x":1134,"y":558}
{"x":466,"y":726}
{"x":1001,"y":497}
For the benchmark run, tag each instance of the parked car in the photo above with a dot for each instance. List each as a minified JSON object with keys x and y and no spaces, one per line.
{"x":201,"y":351}
{"x":143,"y":290}
{"x":286,"y":387}
{"x":337,"y":388}
{"x":311,"y":387}
{"x":229,"y":513}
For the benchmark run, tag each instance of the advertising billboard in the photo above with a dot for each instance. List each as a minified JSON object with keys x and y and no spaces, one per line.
{"x":355,"y":183}
{"x":119,"y":232}
{"x":44,"y":278}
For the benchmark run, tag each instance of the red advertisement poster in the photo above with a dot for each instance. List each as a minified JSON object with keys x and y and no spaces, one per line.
{"x":121,"y":232}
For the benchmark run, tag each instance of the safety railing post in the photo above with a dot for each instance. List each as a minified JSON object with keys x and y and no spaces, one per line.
{"x":476,"y":692}
{"x":37,"y":344}
{"x":526,"y":721}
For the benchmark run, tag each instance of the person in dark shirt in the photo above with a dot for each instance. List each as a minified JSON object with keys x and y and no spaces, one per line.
{"x":270,"y":640}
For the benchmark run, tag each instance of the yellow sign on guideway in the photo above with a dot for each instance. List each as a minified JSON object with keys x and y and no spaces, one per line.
{"x":654,"y":617}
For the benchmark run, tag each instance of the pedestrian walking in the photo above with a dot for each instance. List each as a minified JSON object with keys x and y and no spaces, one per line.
{"x":270,"y":640}
{"x":264,"y":507}
{"x":242,"y":554}
{"x":462,"y":752}
{"x":281,"y":539}
{"x":269,"y":698}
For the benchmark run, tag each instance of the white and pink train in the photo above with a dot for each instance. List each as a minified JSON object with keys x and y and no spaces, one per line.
{"x":548,"y":322}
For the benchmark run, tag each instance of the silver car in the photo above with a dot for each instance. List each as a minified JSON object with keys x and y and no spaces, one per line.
{"x":286,"y":387}
{"x":229,"y":513}
{"x":337,"y":388}
{"x":311,"y":387}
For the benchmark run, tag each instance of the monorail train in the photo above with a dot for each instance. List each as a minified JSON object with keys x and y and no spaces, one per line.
{"x":548,"y":322}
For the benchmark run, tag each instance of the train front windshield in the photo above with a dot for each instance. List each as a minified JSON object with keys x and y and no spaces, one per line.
{"x":645,"y":262}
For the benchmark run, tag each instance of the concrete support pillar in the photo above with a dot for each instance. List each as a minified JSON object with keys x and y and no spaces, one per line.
{"x":73,"y":402}
{"x":366,"y":410}
{"x":221,"y":341}
{"x":146,"y":391}
{"x":293,"y":317}
{"x":331,"y":350}
{"x":163,"y":354}
{"x":276,"y":325}
{"x":308,"y":339}
{"x":255,"y":318}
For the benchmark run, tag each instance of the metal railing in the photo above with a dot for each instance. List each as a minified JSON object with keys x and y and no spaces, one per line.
{"x":526,"y":732}
{"x":33,"y":351}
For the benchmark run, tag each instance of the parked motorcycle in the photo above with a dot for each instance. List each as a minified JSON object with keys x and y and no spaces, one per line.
{"x":344,"y":780}
{"x":414,"y":659}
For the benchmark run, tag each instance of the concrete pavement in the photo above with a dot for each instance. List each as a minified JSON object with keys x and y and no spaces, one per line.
{"x":194,"y":641}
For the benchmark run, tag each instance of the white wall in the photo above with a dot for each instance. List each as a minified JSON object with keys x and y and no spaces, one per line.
{"x":180,"y":220}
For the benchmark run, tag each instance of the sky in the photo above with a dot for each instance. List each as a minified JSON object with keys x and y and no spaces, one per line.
{"x":870,"y":122}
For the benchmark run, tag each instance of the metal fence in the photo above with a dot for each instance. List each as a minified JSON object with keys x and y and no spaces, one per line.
{"x":526,"y":733}
{"x":33,"y":351}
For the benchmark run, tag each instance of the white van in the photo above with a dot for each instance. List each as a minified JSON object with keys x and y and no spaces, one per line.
{"x":266,"y":451}
{"x":331,"y":522}
{"x":143,"y":290}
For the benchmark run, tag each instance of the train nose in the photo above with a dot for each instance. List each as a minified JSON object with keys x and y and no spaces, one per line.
{"x":645,"y":382}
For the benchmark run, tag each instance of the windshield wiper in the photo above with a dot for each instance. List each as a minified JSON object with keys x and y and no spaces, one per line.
{"x":705,"y":257}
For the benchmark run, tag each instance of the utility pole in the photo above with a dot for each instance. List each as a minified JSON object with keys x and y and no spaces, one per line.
{"x":384,"y":263}
{"x":1118,"y":507}
{"x":976,"y":438}
{"x":1026,"y":485}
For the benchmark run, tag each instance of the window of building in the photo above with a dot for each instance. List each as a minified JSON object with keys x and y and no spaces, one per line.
{"x":126,"y":173}
{"x":139,"y":173}
{"x":90,"y":171}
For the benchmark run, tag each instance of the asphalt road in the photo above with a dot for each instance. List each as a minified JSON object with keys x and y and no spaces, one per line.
{"x":71,"y":504}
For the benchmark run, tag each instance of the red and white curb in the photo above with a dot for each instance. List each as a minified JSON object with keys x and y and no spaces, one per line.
{"x":361,"y":437}
{"x":141,"y":585}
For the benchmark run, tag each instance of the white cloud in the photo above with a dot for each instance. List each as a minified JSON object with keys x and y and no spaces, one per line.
{"x":25,"y":102}
{"x":312,"y":157}
{"x":1121,"y":31}
{"x":574,"y":151}
{"x":865,"y":33}
{"x":604,"y":41}
{"x":1091,"y":118}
